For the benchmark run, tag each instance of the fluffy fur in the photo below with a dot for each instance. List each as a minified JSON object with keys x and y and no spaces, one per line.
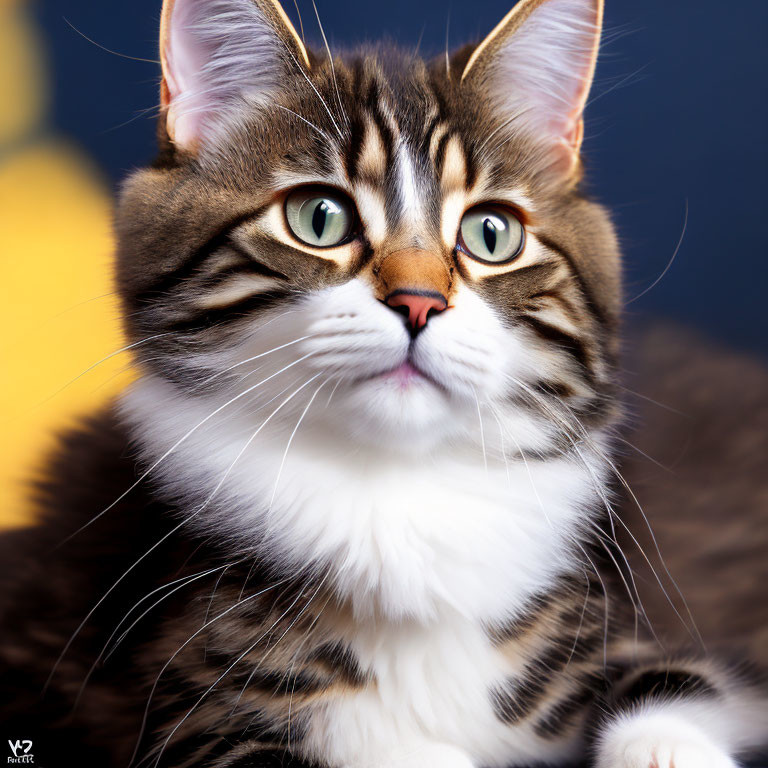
{"x":313,"y":530}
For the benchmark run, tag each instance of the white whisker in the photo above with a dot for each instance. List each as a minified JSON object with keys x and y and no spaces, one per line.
{"x":272,"y":646}
{"x":567,"y":432}
{"x":330,"y":61}
{"x":290,"y":441}
{"x":186,"y":580}
{"x":179,"y":442}
{"x":669,"y":263}
{"x":482,"y":431}
{"x":310,"y":124}
{"x":175,"y":529}
{"x":300,"y":68}
{"x":229,"y":669}
{"x":97,"y":364}
{"x":195,"y":634}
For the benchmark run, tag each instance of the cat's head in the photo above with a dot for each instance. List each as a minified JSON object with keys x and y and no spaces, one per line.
{"x":391,"y":249}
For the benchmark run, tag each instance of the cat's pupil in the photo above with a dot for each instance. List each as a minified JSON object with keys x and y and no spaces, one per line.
{"x":489,"y":235}
{"x":319,"y":217}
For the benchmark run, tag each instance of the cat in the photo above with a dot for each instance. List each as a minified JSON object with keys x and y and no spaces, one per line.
{"x":359,"y":508}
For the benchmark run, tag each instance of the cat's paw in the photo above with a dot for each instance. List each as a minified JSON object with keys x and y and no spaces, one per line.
{"x":658,"y":741}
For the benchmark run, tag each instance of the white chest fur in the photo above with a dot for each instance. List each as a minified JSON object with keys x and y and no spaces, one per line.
{"x":406,"y":537}
{"x":427,"y":552}
{"x":430,"y":704}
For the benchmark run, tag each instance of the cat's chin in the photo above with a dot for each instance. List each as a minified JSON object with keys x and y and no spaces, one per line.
{"x":400,"y":409}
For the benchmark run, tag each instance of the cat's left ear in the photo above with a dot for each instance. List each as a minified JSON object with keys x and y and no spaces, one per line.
{"x":219,"y":55}
{"x":537,"y":66}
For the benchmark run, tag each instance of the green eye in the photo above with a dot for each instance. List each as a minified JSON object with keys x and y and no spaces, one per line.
{"x":491,"y":233}
{"x":319,"y":216}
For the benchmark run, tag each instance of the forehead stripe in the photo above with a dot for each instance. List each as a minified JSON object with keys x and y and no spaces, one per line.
{"x":440,"y":145}
{"x":370,"y":150}
{"x":411,"y":201}
{"x":453,"y":173}
{"x":434,"y":138}
{"x":426,"y":141}
{"x":372,"y":208}
{"x":372,"y":158}
{"x":356,"y":138}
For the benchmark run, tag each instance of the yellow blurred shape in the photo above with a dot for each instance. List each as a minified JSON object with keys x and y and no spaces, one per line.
{"x":22,"y":80}
{"x":58,"y":313}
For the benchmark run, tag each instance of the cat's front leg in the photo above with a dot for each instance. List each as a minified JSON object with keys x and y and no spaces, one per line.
{"x":689,"y":715}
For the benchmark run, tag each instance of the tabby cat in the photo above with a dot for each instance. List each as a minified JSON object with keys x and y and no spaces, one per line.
{"x":358,"y":510}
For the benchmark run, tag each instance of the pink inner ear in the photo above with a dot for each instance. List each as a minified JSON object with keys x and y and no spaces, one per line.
{"x":183,"y":63}
{"x":544,"y":70}
{"x":217,"y":55}
{"x":215,"y":52}
{"x":184,"y":129}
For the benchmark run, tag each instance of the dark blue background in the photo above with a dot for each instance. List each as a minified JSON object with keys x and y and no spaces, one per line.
{"x":679,"y":116}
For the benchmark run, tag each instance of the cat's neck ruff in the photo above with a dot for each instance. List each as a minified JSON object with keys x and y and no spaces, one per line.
{"x":401,"y":537}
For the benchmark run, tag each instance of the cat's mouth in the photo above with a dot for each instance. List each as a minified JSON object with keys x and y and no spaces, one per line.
{"x":407,"y":375}
{"x":404,"y":374}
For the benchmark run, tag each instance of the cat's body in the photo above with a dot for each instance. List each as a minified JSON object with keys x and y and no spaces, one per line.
{"x":319,"y":679}
{"x":528,"y":688}
{"x":358,"y":507}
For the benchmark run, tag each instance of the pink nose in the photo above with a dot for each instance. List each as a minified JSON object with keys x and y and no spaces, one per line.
{"x":418,"y":305}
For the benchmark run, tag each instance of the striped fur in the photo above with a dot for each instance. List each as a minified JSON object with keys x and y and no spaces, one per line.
{"x":349,"y":542}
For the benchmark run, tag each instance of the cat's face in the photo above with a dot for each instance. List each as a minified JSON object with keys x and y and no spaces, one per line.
{"x":393,"y":252}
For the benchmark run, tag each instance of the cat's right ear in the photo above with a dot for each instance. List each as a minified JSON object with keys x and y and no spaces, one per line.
{"x":219,"y":56}
{"x":536,"y":69}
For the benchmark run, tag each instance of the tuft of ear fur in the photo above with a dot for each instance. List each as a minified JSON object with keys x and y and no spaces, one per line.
{"x":218,"y":55}
{"x":537,"y":66}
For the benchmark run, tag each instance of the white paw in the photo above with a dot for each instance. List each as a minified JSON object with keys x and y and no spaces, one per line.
{"x":658,"y":741}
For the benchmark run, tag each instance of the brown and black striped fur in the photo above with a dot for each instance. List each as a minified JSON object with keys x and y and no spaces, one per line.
{"x":207,"y":227}
{"x":258,"y":713}
{"x":226,"y":655}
